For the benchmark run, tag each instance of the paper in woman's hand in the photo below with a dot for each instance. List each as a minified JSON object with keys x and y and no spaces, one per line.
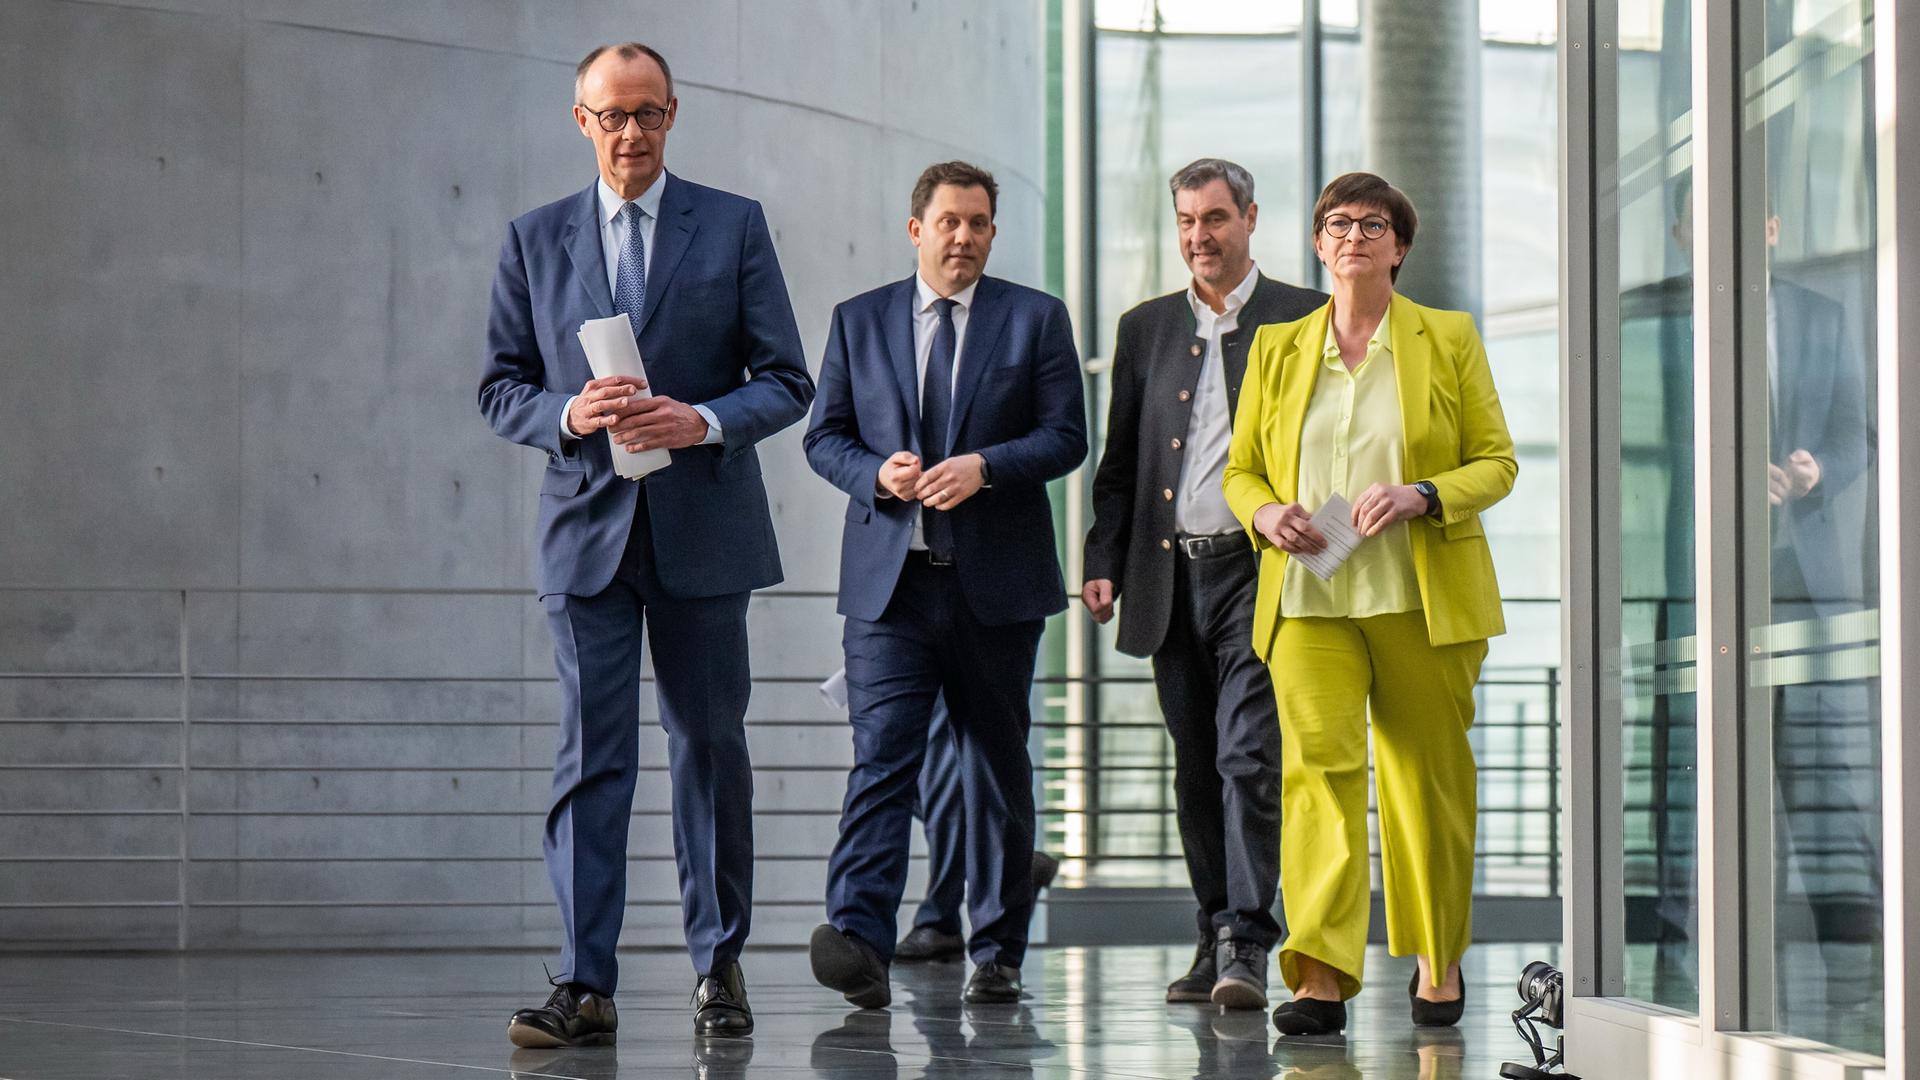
{"x":1334,"y":520}
{"x":613,"y":352}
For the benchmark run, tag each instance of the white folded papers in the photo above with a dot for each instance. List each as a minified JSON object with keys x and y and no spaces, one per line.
{"x":613,"y":352}
{"x":835,"y":689}
{"x":1334,"y":520}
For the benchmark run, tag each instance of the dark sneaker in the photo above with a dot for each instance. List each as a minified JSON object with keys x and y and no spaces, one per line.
{"x":1196,"y":986}
{"x":720,"y":1004}
{"x":842,"y":961}
{"x":572,"y":1016}
{"x":993,"y":984}
{"x":924,"y":943}
{"x":1242,"y":965}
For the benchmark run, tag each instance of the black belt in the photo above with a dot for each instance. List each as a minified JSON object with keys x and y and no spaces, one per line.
{"x":1212,"y":547}
{"x":928,"y":558}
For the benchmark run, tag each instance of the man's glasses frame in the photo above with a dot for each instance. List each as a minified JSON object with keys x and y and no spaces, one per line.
{"x":614,"y":121}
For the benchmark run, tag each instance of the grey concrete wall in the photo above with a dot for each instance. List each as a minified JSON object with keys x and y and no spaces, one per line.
{"x":247,"y":251}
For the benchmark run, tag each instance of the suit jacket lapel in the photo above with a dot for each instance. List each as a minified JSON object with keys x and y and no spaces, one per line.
{"x":1299,"y":374}
{"x":1413,"y":372}
{"x":583,"y":249}
{"x":984,"y":325}
{"x":671,"y":235}
{"x":897,"y":314}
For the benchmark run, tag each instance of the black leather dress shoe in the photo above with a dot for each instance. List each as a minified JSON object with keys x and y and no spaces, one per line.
{"x":572,"y":1016}
{"x":993,"y":984}
{"x":720,"y":1004}
{"x":924,"y":944}
{"x":1196,"y":986}
{"x":1435,"y":1013}
{"x":1310,"y":1016}
{"x":1043,"y":870}
{"x":842,"y":961}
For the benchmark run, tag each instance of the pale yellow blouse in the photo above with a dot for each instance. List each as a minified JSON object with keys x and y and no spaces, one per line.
{"x":1351,"y":438}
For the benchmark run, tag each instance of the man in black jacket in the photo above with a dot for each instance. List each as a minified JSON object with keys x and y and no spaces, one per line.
{"x":1164,"y":538}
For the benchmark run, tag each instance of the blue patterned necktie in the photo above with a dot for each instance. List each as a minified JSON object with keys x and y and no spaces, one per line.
{"x":630,"y":281}
{"x":936,"y":411}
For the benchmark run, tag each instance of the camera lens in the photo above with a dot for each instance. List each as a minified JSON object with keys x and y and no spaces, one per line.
{"x":1541,"y":982}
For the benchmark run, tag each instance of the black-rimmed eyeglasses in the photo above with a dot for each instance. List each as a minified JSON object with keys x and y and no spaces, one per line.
{"x":615,"y":120}
{"x":1338,"y":226}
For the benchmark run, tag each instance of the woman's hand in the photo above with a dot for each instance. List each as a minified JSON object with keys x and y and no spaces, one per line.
{"x":1383,"y":504}
{"x":1286,"y":526}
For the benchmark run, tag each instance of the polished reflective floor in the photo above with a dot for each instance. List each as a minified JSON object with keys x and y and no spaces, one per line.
{"x":1089,"y":1013}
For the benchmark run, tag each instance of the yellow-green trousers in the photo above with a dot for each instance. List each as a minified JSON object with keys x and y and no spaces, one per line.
{"x":1329,"y":675}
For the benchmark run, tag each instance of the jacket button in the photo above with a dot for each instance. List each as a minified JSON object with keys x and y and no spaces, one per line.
{"x":1194,"y":349}
{"x":1185,"y":394}
{"x":1166,"y":545}
{"x":1167,"y":494}
{"x":1176,"y":444}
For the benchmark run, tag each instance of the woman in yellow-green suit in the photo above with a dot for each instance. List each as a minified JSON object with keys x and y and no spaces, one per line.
{"x":1390,"y":405}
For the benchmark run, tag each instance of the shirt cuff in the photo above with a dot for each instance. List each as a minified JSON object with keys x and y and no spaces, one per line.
{"x":566,"y":433}
{"x":713,"y":426}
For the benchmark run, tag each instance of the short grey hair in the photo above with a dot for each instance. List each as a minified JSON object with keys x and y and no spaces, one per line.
{"x":1208,"y":169}
{"x":626,"y":50}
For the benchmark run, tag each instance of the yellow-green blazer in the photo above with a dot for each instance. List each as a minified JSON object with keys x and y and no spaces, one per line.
{"x":1456,"y":436}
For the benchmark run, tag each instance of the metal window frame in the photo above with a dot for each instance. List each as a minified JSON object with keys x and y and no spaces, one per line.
{"x":1734,"y":761}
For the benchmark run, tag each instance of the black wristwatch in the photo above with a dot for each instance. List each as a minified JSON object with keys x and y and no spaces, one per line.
{"x":1425,"y":487}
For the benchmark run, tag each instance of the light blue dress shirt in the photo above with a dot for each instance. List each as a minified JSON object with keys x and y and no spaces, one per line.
{"x":613,"y":240}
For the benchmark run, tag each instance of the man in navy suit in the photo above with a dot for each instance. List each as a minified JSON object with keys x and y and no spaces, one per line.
{"x":694,"y":270}
{"x":947,"y":403}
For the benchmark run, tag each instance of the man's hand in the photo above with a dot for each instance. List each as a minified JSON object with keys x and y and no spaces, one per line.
{"x":1382,"y":505}
{"x":1801,"y":475}
{"x":1286,"y":526}
{"x":951,"y":482}
{"x":899,"y":476}
{"x":599,"y":403}
{"x":658,"y":423}
{"x":1098,"y":596}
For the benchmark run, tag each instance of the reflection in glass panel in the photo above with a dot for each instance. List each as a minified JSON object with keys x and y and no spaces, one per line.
{"x":1814,"y":664}
{"x":1657,"y":700}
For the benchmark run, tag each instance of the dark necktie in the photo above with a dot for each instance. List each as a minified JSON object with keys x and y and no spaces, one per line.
{"x":630,"y":280}
{"x":936,"y":411}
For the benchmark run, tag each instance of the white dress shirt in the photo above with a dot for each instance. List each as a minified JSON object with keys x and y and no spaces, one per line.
{"x":925,"y":319}
{"x":1200,"y":506}
{"x":613,"y":240}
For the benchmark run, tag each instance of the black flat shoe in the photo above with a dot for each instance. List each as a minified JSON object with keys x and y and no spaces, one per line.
{"x":720,"y":1004}
{"x":1310,"y":1016}
{"x":572,"y":1016}
{"x":842,"y":961}
{"x":1435,"y":1013}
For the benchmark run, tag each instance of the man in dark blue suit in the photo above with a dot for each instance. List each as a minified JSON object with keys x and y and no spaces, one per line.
{"x":947,"y":403}
{"x":694,"y":269}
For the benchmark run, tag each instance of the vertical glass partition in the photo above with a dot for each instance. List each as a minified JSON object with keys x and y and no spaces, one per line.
{"x":1656,"y":508}
{"x":1814,"y":626}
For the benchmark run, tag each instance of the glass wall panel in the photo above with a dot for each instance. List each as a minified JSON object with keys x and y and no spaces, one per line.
{"x":1813,"y":628}
{"x":1656,"y":514}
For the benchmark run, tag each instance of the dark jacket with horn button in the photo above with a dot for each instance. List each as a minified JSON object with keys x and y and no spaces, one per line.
{"x":1156,"y":364}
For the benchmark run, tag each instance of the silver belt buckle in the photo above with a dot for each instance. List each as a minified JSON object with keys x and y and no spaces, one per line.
{"x":1196,"y":547}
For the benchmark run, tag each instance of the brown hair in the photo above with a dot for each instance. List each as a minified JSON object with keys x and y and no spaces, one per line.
{"x":959,"y":174}
{"x":626,"y":50}
{"x":1366,"y":189}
